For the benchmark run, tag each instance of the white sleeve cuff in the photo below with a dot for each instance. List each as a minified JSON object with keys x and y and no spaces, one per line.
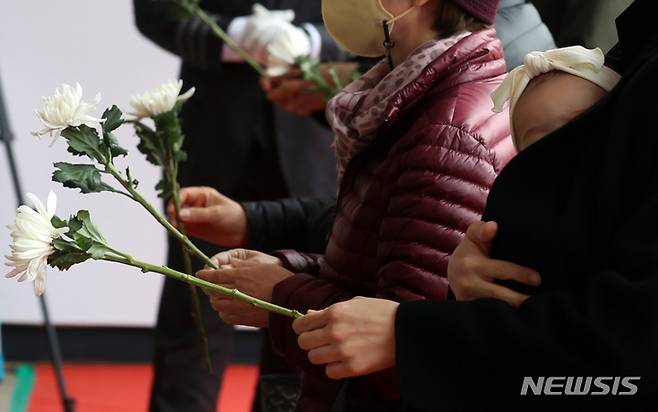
{"x":316,"y":39}
{"x":236,"y":31}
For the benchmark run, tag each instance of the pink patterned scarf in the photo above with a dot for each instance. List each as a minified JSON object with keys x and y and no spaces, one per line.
{"x":356,"y":113}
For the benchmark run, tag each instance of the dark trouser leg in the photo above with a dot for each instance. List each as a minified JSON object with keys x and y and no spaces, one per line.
{"x":181,"y":380}
{"x":270,"y":364}
{"x":261,"y":166}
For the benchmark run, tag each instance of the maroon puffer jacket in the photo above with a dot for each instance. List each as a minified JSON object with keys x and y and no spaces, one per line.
{"x":404,"y":204}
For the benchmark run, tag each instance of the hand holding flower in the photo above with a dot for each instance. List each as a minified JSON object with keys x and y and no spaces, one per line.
{"x":211,"y":216}
{"x":352,"y":338}
{"x":294,"y":94}
{"x":276,"y":42}
{"x":304,"y":93}
{"x":257,"y":280}
{"x":246,"y":256}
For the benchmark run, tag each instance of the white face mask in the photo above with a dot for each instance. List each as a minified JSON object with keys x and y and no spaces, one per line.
{"x":358,"y":25}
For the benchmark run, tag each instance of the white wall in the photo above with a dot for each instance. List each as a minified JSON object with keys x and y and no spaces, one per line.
{"x":44,"y":43}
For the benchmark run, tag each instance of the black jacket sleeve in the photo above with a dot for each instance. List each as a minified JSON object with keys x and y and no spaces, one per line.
{"x":609,"y":328}
{"x":302,"y":224}
{"x":164,"y":23}
{"x":189,"y":38}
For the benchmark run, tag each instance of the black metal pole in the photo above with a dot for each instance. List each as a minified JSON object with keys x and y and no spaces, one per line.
{"x":55,"y":351}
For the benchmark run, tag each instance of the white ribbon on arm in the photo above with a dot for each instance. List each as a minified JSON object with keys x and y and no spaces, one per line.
{"x":577,"y":60}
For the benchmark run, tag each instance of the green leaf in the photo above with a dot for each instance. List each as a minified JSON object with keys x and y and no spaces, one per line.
{"x":89,"y":229}
{"x":112,"y":118}
{"x":112,"y":122}
{"x":163,"y":146}
{"x":338,"y":84}
{"x":164,"y":189}
{"x":75,"y":224}
{"x":115,"y":149}
{"x":181,"y":156}
{"x":167,"y":126}
{"x":66,"y":255}
{"x":312,"y":70}
{"x":58,"y":223}
{"x":98,"y":251}
{"x":64,"y":260}
{"x":149,"y":145}
{"x":82,"y":241}
{"x":87,"y":243}
{"x":79,"y":176}
{"x":62,"y":245}
{"x":84,"y":141}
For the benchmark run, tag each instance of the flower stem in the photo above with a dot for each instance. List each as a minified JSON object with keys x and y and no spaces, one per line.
{"x":110,"y":168}
{"x":187,"y":264}
{"x":201,"y":14}
{"x":183,"y":277}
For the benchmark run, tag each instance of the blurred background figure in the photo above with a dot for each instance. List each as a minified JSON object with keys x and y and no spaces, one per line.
{"x":260,"y":153}
{"x":589,"y":23}
{"x":521,"y":29}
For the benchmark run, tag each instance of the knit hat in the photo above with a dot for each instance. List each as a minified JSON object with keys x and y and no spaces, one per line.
{"x":484,"y":10}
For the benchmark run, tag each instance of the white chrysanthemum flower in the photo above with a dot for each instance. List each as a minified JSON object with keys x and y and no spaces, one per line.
{"x":286,"y":49}
{"x":159,"y":100}
{"x":66,"y":109}
{"x":32,"y":238}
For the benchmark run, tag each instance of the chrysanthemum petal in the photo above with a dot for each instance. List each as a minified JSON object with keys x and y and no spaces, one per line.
{"x":32,"y":237}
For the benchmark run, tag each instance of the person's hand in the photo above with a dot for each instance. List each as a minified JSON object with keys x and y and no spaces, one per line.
{"x":353,"y":338}
{"x":223,"y":259}
{"x":211,"y":216}
{"x":294,"y":94}
{"x":473,"y":275}
{"x":256,"y":280}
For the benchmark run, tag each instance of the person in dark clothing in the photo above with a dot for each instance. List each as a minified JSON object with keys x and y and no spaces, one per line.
{"x":240,"y":144}
{"x":587,"y":226}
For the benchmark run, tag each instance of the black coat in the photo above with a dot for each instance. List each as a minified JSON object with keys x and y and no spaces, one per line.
{"x":580,"y":207}
{"x":240,"y":144}
{"x":228,"y":124}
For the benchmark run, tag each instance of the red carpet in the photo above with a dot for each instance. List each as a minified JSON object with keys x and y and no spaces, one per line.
{"x":125,"y":388}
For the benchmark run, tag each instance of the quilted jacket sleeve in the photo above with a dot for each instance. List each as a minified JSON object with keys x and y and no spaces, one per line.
{"x":440,"y":188}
